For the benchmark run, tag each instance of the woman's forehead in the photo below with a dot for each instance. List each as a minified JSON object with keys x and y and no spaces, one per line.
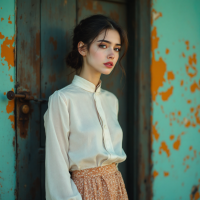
{"x":109,"y":35}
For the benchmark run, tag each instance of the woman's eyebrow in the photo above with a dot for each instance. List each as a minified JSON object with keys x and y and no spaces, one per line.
{"x":108,"y":42}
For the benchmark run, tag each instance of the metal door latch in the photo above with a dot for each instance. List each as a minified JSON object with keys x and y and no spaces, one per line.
{"x":23,"y":96}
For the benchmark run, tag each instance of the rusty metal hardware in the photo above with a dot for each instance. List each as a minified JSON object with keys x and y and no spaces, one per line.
{"x":23,"y":96}
{"x":25,"y":109}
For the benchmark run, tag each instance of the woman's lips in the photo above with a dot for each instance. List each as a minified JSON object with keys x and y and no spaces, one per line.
{"x":108,"y":64}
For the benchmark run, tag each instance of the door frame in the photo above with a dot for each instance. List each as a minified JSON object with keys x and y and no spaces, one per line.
{"x":139,"y":100}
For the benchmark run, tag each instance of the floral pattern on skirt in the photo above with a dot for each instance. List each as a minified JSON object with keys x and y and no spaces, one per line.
{"x":100,"y":183}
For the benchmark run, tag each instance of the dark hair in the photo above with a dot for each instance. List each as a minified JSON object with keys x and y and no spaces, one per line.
{"x":86,"y":31}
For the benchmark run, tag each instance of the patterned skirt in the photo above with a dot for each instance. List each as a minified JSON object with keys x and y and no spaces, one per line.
{"x":100,"y":183}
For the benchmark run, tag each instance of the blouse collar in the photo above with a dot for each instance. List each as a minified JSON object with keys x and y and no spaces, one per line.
{"x":86,"y":85}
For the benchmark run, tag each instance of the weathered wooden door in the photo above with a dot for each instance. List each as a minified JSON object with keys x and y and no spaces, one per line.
{"x":44,"y":30}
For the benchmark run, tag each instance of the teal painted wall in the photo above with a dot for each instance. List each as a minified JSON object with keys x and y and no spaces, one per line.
{"x":7,"y":80}
{"x":175,"y":90}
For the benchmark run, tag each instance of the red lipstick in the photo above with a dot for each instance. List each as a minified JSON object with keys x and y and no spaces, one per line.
{"x":108,"y":64}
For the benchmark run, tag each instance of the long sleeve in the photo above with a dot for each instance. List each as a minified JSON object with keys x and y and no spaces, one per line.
{"x":117,"y":112}
{"x":58,"y":182}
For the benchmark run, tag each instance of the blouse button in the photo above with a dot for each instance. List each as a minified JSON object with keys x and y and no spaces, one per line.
{"x":105,"y":126}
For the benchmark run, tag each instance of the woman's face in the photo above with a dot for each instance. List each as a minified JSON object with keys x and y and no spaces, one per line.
{"x":104,"y":52}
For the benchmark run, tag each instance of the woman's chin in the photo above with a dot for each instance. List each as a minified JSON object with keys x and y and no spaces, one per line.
{"x":107,"y":71}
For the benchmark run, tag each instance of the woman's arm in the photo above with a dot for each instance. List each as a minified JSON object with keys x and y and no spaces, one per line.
{"x":58,"y":182}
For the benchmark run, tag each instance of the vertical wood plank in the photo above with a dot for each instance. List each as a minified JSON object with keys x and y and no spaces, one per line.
{"x":58,"y":19}
{"x":139,"y":100}
{"x":28,"y":79}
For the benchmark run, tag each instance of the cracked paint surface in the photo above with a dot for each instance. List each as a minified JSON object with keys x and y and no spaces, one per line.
{"x":7,"y":118}
{"x":175,"y":90}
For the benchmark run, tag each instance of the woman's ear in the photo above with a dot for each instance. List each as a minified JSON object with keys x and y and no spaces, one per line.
{"x":81,"y":48}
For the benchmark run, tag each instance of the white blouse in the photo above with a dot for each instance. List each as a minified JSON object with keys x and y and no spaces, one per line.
{"x":82,"y":131}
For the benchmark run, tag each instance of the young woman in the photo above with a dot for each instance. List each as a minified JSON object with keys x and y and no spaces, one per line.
{"x":83,"y":135}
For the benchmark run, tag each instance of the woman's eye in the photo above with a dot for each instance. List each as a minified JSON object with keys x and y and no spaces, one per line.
{"x":102,"y":46}
{"x":118,"y":49}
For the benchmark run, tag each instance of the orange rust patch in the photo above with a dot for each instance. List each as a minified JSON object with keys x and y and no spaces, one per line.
{"x":193,"y":124}
{"x":182,"y":133}
{"x":1,"y":36}
{"x":10,"y":22}
{"x":4,"y":93}
{"x":197,"y":195}
{"x":182,"y":82}
{"x":155,"y":173}
{"x":193,"y":71}
{"x":195,"y":153}
{"x":187,"y":124}
{"x":171,"y":137}
{"x":167,"y":51}
{"x":192,"y":59}
{"x":170,"y":75}
{"x":177,"y":143}
{"x":158,"y":68}
{"x":52,"y":78}
{"x":88,"y":5}
{"x":186,"y":158}
{"x":38,"y":43}
{"x":190,"y":148}
{"x":164,"y":148}
{"x":114,"y":15}
{"x":7,"y":51}
{"x":54,"y":42}
{"x":189,"y":101}
{"x":12,"y":119}
{"x":187,"y":44}
{"x":187,"y":167}
{"x":197,"y":116}
{"x":183,"y":55}
{"x":155,"y":132}
{"x":191,"y":109}
{"x":2,"y":19}
{"x":166,"y":174}
{"x":179,"y":113}
{"x":155,"y":15}
{"x":165,"y":95}
{"x":11,"y":79}
{"x":195,"y":87}
{"x":10,"y":106}
{"x":193,"y":47}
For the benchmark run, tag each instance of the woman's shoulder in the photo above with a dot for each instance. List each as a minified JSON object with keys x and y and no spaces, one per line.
{"x":64,"y":92}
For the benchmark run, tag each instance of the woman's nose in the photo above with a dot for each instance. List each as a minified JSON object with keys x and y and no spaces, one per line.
{"x":111,"y":55}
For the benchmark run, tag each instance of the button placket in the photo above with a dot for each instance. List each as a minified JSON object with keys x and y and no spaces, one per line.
{"x":106,"y":133}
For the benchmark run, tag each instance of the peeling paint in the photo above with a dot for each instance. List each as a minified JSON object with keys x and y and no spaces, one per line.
{"x":1,"y":36}
{"x":175,"y":90}
{"x":7,"y":51}
{"x":7,"y":117}
{"x":164,"y":148}
{"x":158,"y":68}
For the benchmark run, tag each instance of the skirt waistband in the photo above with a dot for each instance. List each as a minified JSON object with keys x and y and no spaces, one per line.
{"x":96,"y":171}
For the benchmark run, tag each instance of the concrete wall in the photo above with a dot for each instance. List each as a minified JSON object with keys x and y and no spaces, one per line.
{"x":175,"y":89}
{"x":7,"y":82}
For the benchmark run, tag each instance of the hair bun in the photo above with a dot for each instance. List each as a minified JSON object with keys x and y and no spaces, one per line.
{"x":74,"y":59}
